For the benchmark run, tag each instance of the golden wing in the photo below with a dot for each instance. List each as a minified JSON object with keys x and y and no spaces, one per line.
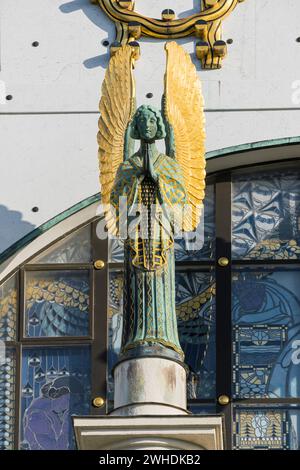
{"x":183,"y":110}
{"x":116,"y":106}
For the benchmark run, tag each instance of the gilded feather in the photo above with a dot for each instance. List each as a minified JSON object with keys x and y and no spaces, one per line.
{"x":116,"y":107}
{"x":183,"y":110}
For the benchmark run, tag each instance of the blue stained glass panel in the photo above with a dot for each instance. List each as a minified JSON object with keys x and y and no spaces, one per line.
{"x":115,"y":250}
{"x":55,"y":385}
{"x":266,"y":346}
{"x":265,"y":216}
{"x":8,"y":309}
{"x":202,"y":246}
{"x":7,"y":397}
{"x":115,"y":323}
{"x":57,"y":303}
{"x":74,"y":248}
{"x":195,"y":306}
{"x":207,"y":409}
{"x":266,"y":428}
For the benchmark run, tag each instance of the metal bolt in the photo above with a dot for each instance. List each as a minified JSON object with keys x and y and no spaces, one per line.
{"x":223,"y":261}
{"x":98,"y":402}
{"x":99,"y":264}
{"x":223,"y":400}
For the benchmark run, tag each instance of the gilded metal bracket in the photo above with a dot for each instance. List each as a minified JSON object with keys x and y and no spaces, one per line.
{"x":205,"y":25}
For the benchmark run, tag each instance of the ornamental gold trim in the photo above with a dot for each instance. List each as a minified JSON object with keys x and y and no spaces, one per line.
{"x":206,"y":26}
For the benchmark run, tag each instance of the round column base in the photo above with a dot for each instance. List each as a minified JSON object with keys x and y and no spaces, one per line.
{"x":149,"y":385}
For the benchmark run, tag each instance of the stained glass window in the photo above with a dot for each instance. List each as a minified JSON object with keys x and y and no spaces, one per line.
{"x":115,"y":322}
{"x":268,"y":428}
{"x":266,"y":332}
{"x":195,"y":306}
{"x":201,"y":246}
{"x":57,"y":303}
{"x":74,"y":248}
{"x":265,"y":215}
{"x":115,"y":250}
{"x":7,"y":397}
{"x":8,"y":309}
{"x":55,"y":386}
{"x":56,"y":306}
{"x":202,"y":409}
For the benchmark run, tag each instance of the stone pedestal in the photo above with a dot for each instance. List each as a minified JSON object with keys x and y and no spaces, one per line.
{"x":150,"y":411}
{"x":149,"y":433}
{"x":149,"y":386}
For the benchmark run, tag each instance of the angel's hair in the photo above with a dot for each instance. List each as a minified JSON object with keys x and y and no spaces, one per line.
{"x":161,"y":130}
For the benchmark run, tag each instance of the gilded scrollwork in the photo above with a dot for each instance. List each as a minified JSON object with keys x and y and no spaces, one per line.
{"x":206,"y":26}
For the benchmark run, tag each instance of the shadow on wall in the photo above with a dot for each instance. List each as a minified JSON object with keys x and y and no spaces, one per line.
{"x":196,"y":8}
{"x":12,"y":227}
{"x":99,"y":18}
{"x":94,"y":13}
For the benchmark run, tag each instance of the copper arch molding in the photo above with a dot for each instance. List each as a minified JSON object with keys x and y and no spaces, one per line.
{"x":205,"y":25}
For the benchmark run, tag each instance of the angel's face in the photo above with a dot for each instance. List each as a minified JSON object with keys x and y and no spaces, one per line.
{"x":147,"y":126}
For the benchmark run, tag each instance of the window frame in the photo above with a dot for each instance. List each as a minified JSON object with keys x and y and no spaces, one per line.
{"x":98,"y":339}
{"x":224,"y":324}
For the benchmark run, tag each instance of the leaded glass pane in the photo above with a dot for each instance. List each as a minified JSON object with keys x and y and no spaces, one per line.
{"x":208,"y":409}
{"x":74,"y":248}
{"x":266,"y":215}
{"x":115,"y":250}
{"x":266,"y":335}
{"x":195,"y":305}
{"x":201,"y":247}
{"x":57,"y":303}
{"x":195,"y":299}
{"x":55,"y":385}
{"x":8,"y":309}
{"x":266,"y":428}
{"x":7,"y":397}
{"x":115,"y":322}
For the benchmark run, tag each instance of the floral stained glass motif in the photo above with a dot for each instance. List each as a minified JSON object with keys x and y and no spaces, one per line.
{"x":57,"y":303}
{"x":74,"y":248}
{"x":8,"y":309}
{"x":267,"y":428}
{"x":266,"y":216}
{"x":7,"y":398}
{"x":55,"y":386}
{"x":266,"y":347}
{"x":196,"y":326}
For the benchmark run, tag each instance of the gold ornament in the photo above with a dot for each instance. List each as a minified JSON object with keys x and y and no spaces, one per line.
{"x":117,"y":106}
{"x":207,"y":25}
{"x":184,"y":111}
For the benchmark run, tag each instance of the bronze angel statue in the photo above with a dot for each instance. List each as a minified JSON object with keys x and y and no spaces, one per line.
{"x":155,"y":194}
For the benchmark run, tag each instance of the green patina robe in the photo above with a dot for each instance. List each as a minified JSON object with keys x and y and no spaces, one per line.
{"x":149,"y":279}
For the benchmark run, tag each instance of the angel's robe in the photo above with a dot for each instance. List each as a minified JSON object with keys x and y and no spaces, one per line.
{"x":153,"y":212}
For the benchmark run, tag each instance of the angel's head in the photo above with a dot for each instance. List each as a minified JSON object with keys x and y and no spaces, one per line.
{"x":147,"y":124}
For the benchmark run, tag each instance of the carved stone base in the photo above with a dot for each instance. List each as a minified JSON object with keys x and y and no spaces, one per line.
{"x":149,"y":433}
{"x":149,"y":386}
